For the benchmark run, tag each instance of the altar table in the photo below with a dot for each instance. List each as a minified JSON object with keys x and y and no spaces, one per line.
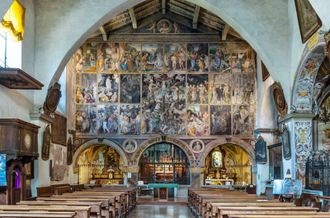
{"x":163,"y":190}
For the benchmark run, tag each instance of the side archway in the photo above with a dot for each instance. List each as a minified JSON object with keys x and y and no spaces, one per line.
{"x":305,"y":91}
{"x":90,"y":143}
{"x":209,"y":147}
{"x":163,"y":139}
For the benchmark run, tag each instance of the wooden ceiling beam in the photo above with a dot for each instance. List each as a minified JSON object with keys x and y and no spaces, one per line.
{"x":195,"y":19}
{"x":181,"y":11}
{"x":234,"y":33}
{"x":182,"y":6}
{"x":133,"y":17}
{"x":104,"y":34}
{"x":225,"y":32}
{"x":164,"y":6}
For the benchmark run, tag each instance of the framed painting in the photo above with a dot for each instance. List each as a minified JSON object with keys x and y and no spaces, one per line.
{"x":59,"y":129}
{"x":279,"y":99}
{"x":308,"y":20}
{"x":264,"y":72}
{"x":286,"y":143}
{"x":260,"y":150}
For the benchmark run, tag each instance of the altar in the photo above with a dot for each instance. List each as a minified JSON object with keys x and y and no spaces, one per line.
{"x":219,"y":182}
{"x":163,"y":190}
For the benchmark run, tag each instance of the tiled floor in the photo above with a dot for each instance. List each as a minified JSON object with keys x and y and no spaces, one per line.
{"x":161,"y":211}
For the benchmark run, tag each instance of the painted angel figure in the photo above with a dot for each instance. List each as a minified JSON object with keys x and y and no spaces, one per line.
{"x":153,"y":27}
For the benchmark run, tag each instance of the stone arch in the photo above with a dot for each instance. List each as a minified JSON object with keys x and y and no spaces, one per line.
{"x":50,"y":32}
{"x":222,"y":141}
{"x":163,"y":139}
{"x":305,"y":90}
{"x":90,"y":143}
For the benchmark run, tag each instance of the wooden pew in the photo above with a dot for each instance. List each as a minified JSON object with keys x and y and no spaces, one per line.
{"x":226,"y":213}
{"x":115,"y":200}
{"x":96,"y":207}
{"x":319,"y":215}
{"x":215,"y":206}
{"x":267,"y":209}
{"x":77,"y":187}
{"x":21,"y":214}
{"x":81,"y":212}
{"x":61,"y":190}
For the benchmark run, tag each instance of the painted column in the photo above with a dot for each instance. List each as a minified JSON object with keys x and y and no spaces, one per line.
{"x":41,"y":167}
{"x":301,"y":143}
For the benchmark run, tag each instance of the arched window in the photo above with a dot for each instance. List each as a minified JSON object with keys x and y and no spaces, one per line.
{"x":164,"y":163}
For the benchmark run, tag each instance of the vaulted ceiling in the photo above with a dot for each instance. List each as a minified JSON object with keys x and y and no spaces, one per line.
{"x":184,"y":12}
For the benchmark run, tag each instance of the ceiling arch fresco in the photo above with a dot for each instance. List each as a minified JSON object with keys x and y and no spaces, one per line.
{"x":53,"y":40}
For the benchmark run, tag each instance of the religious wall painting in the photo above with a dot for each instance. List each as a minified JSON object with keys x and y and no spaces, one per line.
{"x":59,"y":163}
{"x":108,"y":85}
{"x":197,"y":145}
{"x":130,"y":57}
{"x":197,"y":57}
{"x":175,"y":57}
{"x":108,"y":57}
{"x":220,"y":120}
{"x":198,"y":120}
{"x":243,"y":119}
{"x":279,"y":99}
{"x":107,"y":119}
{"x":46,"y":143}
{"x":86,"y":58}
{"x":130,"y":88}
{"x":220,"y":57}
{"x":86,"y":119}
{"x":197,"y":89}
{"x":220,"y":88}
{"x":130,"y":120}
{"x":152,"y":57}
{"x":286,"y":143}
{"x":130,"y":145}
{"x":163,"y":104}
{"x":242,"y":58}
{"x":260,"y":151}
{"x":243,"y":89}
{"x":86,"y":88}
{"x":59,"y":129}
{"x":309,"y":21}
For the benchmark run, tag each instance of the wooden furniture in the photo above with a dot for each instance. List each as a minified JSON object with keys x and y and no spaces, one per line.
{"x":14,"y":78}
{"x":219,"y":181}
{"x":19,"y":141}
{"x":162,"y":189}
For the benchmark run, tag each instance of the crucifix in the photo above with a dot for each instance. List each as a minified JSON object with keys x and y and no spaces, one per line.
{"x":163,"y":78}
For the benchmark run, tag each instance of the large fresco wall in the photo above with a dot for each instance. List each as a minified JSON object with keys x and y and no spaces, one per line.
{"x":182,"y":89}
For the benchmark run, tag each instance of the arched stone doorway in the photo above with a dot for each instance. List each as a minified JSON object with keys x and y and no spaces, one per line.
{"x":106,"y":152}
{"x":163,"y":139}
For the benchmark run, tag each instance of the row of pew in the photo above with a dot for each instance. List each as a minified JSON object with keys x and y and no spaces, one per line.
{"x":98,"y":202}
{"x":225,"y":203}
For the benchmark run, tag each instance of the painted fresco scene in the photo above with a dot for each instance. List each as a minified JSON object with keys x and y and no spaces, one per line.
{"x":86,"y":88}
{"x":86,"y":118}
{"x":243,"y":119}
{"x":108,"y":57}
{"x":86,"y":58}
{"x":108,"y":85}
{"x":220,"y":88}
{"x":197,"y":57}
{"x":107,"y":120}
{"x":130,"y":88}
{"x":130,"y":120}
{"x":220,"y":57}
{"x":242,"y":58}
{"x":243,"y":91}
{"x":197,"y":89}
{"x":198,"y":120}
{"x":130,"y":57}
{"x":175,"y":57}
{"x":220,"y":120}
{"x":164,"y":104}
{"x":152,"y":57}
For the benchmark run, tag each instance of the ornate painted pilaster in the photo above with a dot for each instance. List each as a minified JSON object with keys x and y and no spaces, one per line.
{"x":301,"y":142}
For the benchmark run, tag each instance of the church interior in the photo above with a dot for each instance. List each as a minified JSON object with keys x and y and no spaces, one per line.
{"x":165,"y":108}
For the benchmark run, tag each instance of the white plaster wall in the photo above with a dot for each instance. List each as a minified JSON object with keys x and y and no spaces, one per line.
{"x":322,"y":9}
{"x":70,"y":84}
{"x":265,"y":105}
{"x":18,"y":103}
